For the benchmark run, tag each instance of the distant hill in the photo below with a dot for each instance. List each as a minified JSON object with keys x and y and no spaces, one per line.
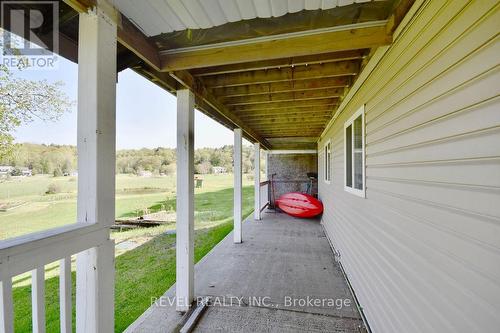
{"x":62,"y":159}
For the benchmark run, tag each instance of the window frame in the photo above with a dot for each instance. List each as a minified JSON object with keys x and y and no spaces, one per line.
{"x":350,"y":122}
{"x":327,"y":152}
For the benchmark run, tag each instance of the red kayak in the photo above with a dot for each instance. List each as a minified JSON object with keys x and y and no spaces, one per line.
{"x":299,"y":204}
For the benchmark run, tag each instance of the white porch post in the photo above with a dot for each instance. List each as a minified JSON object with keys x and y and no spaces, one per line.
{"x":96,"y":168}
{"x":237,"y":185}
{"x":185,"y":200}
{"x":256,"y":158}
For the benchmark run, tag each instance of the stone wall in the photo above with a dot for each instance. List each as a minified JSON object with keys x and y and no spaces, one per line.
{"x":291,"y":172}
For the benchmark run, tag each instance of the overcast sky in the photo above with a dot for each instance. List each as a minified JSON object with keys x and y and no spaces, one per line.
{"x":146,"y":114}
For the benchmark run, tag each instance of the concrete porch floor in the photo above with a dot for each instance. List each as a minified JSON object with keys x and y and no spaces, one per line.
{"x":281,"y":260}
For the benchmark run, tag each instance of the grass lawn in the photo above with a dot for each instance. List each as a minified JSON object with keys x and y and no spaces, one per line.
{"x":42,"y":211}
{"x":145,"y":272}
{"x":142,"y":273}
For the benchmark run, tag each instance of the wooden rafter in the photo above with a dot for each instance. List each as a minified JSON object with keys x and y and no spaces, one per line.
{"x":284,"y":97}
{"x":289,"y":126}
{"x":305,"y":116}
{"x":280,"y":134}
{"x":311,"y":104}
{"x":126,"y":60}
{"x":285,"y":111}
{"x":203,"y":94}
{"x":162,"y":79}
{"x":80,"y":5}
{"x":312,"y":132}
{"x":286,"y":86}
{"x":292,"y":134}
{"x":284,"y":140}
{"x":289,"y":121}
{"x":334,"y":69}
{"x":289,"y":132}
{"x":284,"y":62}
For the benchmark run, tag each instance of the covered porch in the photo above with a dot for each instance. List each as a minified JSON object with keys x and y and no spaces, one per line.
{"x":275,"y":78}
{"x":282,"y":278}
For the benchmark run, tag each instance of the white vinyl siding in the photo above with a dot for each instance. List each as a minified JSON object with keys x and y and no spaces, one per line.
{"x":422,"y":250}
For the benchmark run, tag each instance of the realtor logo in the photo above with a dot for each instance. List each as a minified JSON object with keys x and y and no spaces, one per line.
{"x":30,"y":33}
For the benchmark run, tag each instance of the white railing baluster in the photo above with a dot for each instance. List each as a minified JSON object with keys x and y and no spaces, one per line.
{"x":65,"y":299}
{"x":6,"y":313}
{"x":32,"y":252}
{"x":38,"y":299}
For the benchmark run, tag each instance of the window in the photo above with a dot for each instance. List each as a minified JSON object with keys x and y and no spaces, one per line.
{"x":328,"y":157}
{"x":354,"y":135}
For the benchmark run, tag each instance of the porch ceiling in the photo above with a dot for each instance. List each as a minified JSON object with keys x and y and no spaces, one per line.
{"x":279,"y":78}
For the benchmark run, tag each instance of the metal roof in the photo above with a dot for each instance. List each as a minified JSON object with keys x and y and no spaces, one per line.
{"x":154,"y":17}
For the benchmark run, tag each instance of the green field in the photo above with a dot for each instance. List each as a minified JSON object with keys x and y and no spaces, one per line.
{"x":133,"y":195}
{"x":141,"y":273}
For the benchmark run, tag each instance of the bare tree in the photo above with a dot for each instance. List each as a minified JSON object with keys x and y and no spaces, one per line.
{"x":23,"y":100}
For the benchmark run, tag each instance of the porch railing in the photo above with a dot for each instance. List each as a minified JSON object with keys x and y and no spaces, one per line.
{"x":264,"y":195}
{"x":31,"y":253}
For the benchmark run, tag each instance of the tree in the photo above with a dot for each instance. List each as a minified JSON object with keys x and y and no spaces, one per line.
{"x":23,"y":100}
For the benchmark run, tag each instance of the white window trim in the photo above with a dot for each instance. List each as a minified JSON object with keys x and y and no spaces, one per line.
{"x":328,"y":181}
{"x":355,"y":191}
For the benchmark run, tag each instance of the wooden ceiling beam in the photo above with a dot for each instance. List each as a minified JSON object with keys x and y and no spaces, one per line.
{"x":285,"y":86}
{"x":287,"y":140}
{"x":287,"y":121}
{"x":293,"y":132}
{"x":315,"y":133}
{"x":285,"y":111}
{"x":342,"y":38}
{"x":284,"y":62}
{"x":298,"y":146}
{"x":80,"y":6}
{"x":162,"y":79}
{"x":126,"y":60}
{"x":165,"y":81}
{"x":271,"y":116}
{"x":283,"y":97}
{"x":301,"y":125}
{"x":334,"y":69}
{"x":294,"y":140}
{"x":202,"y":94}
{"x":296,"y":131}
{"x":289,"y":127}
{"x":307,"y":104}
{"x":291,"y":146}
{"x":271,"y":135}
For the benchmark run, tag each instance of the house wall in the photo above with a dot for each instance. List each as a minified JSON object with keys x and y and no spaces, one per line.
{"x":422,"y":250}
{"x":291,"y":172}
